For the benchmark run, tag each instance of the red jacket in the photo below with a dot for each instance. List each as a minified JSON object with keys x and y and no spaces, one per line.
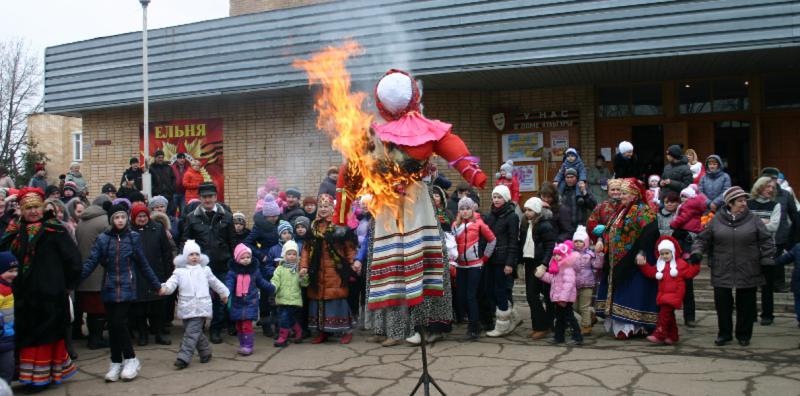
{"x":468,"y":236}
{"x":513,"y":186}
{"x":690,"y":214}
{"x":192,"y":180}
{"x":671,"y":290}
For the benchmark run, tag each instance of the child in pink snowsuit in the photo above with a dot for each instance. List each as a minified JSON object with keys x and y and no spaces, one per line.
{"x":563,"y":291}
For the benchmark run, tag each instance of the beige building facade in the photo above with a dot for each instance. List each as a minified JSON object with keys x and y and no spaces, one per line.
{"x":60,"y":138}
{"x":241,"y":7}
{"x":277,"y":136}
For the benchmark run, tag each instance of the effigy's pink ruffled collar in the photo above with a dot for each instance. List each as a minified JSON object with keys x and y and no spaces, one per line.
{"x":412,"y":129}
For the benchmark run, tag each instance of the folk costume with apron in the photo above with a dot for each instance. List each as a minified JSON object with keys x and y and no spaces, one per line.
{"x":406,"y":260}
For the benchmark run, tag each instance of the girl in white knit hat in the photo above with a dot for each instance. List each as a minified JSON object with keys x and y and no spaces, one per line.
{"x":193,"y":279}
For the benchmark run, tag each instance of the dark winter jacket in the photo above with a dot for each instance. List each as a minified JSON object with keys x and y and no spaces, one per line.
{"x":624,"y":167}
{"x":94,"y":221}
{"x":158,"y":252}
{"x":41,"y":313}
{"x":573,"y":210}
{"x":786,"y":233}
{"x":246,"y":307}
{"x":214,"y":235}
{"x":135,"y":175}
{"x":328,"y":186}
{"x":289,"y":214}
{"x":577,"y":165}
{"x":737,"y":247}
{"x":39,"y":182}
{"x":263,"y":236}
{"x":163,"y":178}
{"x":239,"y":238}
{"x":544,"y":235}
{"x":178,"y":172}
{"x":679,"y":175}
{"x":504,"y":223}
{"x":714,"y":184}
{"x":792,"y":256}
{"x":123,"y":259}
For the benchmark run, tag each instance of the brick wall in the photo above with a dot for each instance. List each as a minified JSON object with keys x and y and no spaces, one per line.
{"x":241,"y":7}
{"x":277,"y":136}
{"x":53,"y":134}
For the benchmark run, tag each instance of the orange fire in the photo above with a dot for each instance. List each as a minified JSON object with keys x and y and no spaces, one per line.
{"x":341,"y":117}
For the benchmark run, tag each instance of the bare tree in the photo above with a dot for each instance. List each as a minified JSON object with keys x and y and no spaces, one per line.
{"x":20,"y":96}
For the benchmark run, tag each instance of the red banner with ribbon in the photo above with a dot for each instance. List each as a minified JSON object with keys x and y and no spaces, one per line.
{"x":199,"y":139}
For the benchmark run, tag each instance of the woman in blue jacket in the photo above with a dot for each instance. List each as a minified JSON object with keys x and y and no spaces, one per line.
{"x":119,"y":251}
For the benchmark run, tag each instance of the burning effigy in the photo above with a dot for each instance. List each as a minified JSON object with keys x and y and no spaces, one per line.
{"x":386,"y":161}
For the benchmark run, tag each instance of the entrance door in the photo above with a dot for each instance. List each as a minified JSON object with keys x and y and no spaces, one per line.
{"x":648,"y":143}
{"x":732,"y":144}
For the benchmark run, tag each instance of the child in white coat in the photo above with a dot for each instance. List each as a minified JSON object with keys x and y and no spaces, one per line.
{"x":192,"y":278}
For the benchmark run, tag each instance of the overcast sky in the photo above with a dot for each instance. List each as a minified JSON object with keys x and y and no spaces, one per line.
{"x":44,"y":23}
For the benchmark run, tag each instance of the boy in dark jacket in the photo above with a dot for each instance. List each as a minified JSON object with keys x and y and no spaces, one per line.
{"x":676,"y":175}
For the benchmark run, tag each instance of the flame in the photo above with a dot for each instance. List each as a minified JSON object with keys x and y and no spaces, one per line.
{"x":341,"y":117}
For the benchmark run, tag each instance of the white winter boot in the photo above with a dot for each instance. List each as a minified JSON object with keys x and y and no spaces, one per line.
{"x":130,"y":369}
{"x":502,"y":324}
{"x":113,"y":372}
{"x":415,"y":339}
{"x":516,"y":320}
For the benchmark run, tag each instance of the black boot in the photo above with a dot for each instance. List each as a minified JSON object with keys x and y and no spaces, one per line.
{"x":215,"y":338}
{"x":162,"y":340}
{"x":144,"y":335}
{"x":96,"y":325}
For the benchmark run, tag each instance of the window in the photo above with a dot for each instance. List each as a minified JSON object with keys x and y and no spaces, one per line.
{"x":713,"y":96}
{"x":695,"y":97}
{"x":646,"y":100}
{"x":730,"y":95}
{"x":782,"y":91}
{"x":614,"y":102}
{"x":77,"y":146}
{"x":625,"y":101}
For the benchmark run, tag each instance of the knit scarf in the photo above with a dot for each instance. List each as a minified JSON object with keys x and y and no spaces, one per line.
{"x":24,"y":241}
{"x":442,"y":215}
{"x":242,"y":284}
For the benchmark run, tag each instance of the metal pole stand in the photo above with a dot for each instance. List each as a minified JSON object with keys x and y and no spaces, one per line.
{"x":425,"y":379}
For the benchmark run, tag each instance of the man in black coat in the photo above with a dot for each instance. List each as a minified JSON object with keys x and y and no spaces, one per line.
{"x":133,"y":174}
{"x":163,"y":179}
{"x":211,"y":226}
{"x":677,"y":174}
{"x":293,"y":208}
{"x":576,"y":204}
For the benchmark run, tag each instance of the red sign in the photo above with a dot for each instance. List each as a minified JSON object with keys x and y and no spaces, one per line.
{"x":198,"y":139}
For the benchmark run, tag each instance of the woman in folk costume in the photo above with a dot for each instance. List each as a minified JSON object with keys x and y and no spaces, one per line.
{"x":50,"y":265}
{"x":603,"y":212}
{"x":406,"y":256}
{"x":329,"y":262}
{"x":625,"y":297}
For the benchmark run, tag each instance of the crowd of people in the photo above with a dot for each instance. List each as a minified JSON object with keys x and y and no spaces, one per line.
{"x":597,"y":242}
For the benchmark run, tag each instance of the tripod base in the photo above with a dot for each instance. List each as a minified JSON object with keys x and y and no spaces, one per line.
{"x":425,"y":380}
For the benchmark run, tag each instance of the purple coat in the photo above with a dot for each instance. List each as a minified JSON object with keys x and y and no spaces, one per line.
{"x":587,"y":266}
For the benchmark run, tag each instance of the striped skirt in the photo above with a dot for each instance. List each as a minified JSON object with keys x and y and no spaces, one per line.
{"x":406,"y":262}
{"x":45,"y":364}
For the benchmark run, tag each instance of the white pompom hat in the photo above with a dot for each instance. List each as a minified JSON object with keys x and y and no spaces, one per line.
{"x":666,"y":244}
